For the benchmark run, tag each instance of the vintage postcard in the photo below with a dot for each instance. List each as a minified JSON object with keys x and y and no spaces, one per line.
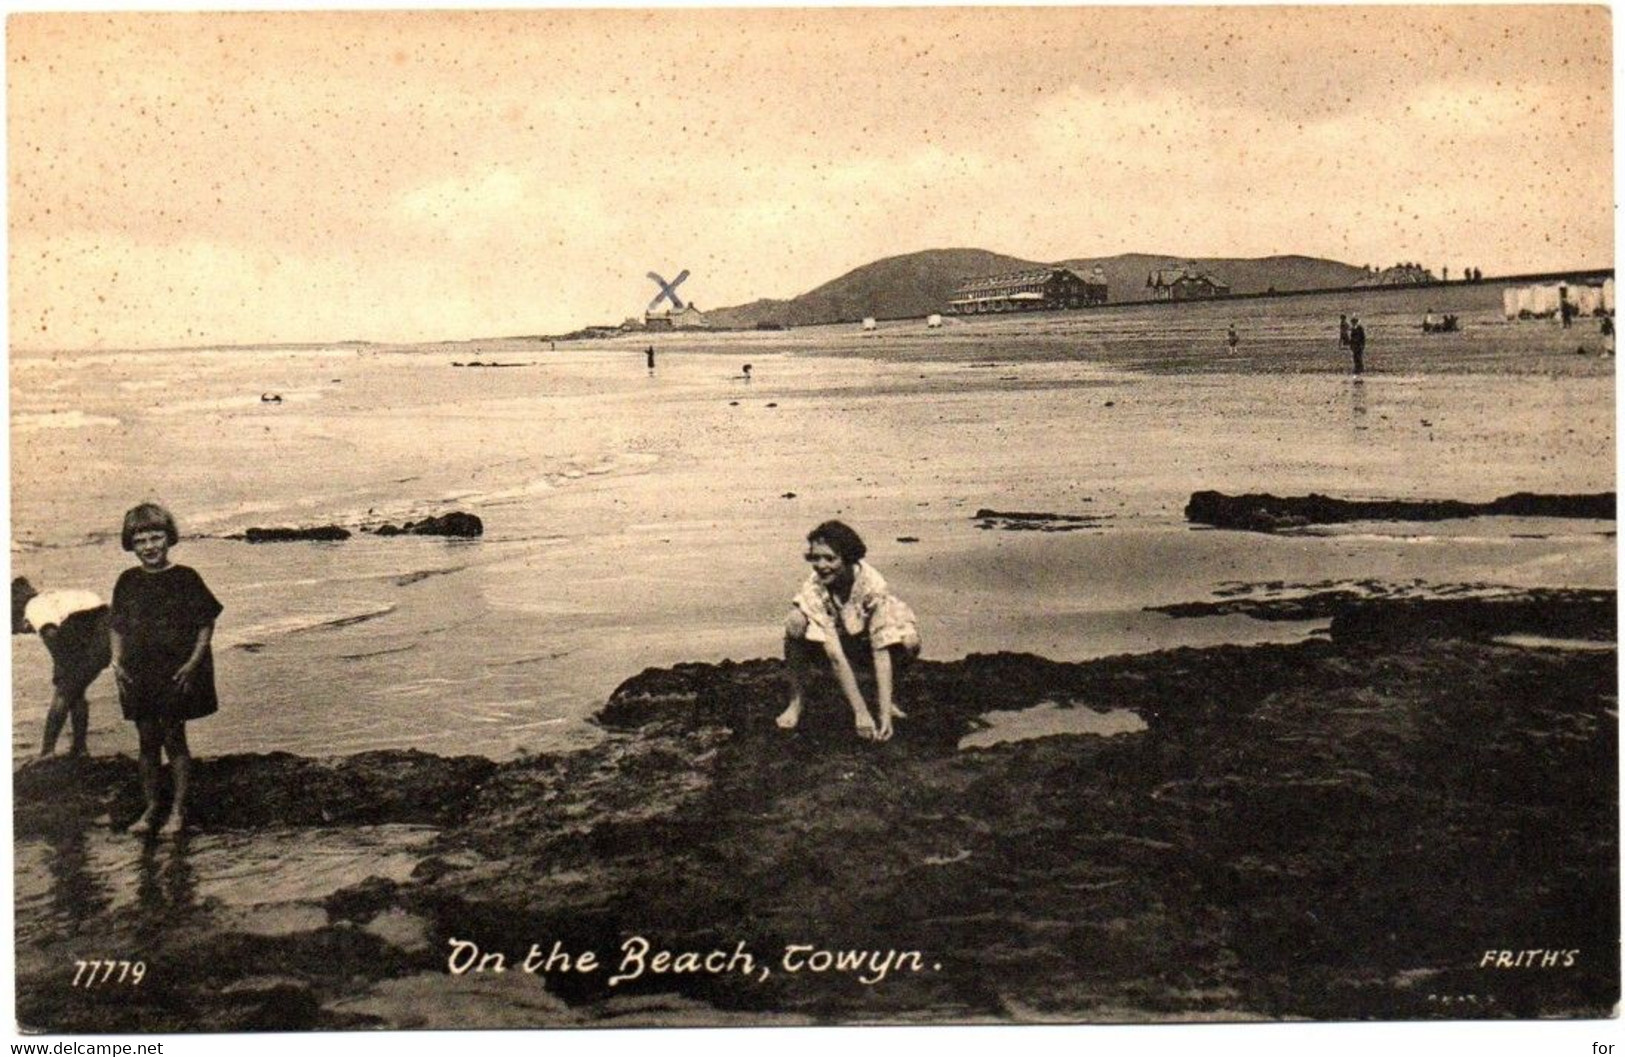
{"x":802,"y":517}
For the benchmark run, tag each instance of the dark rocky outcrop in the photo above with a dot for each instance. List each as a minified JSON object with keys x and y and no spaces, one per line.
{"x":1271,"y":513}
{"x":1358,"y":616}
{"x":457,"y":523}
{"x":1028,"y":521}
{"x":1578,"y":615}
{"x":1334,"y":829}
{"x":323,"y":533}
{"x":270,"y":789}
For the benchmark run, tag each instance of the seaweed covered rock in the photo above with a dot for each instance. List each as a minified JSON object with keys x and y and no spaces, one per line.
{"x":1330,"y":829}
{"x":1263,"y":512}
{"x":457,"y":523}
{"x":253,"y":790}
{"x":321,"y":533}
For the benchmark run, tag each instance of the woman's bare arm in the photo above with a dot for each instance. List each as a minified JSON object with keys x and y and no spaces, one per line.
{"x":849,"y":686}
{"x":200,"y":647}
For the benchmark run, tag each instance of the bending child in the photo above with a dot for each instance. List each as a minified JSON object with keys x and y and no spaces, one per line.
{"x":73,"y":626}
{"x":162,"y":619}
{"x":845,"y":613}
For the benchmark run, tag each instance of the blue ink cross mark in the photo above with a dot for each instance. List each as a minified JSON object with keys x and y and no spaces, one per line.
{"x":668,"y":290}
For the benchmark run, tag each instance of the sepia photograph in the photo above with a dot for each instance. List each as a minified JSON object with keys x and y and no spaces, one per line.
{"x":810,"y":518}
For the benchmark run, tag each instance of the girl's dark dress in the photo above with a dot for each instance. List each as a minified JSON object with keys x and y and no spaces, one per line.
{"x":159,"y":615}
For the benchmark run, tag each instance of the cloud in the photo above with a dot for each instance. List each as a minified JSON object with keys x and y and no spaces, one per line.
{"x":1477,"y":109}
{"x":312,"y":175}
{"x":863,"y":186}
{"x":201,"y":291}
{"x":460,"y":206}
{"x":499,"y":204}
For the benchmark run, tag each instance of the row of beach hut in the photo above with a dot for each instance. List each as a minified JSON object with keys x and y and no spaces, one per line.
{"x":1544,"y":300}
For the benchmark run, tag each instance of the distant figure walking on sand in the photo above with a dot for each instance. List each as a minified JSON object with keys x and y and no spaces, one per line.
{"x":1606,"y":328}
{"x":845,"y":614}
{"x":649,"y":354}
{"x":1231,"y":339}
{"x":162,"y":619}
{"x":73,"y":626}
{"x":1357,"y":344}
{"x":747,"y":372}
{"x":1427,"y":321}
{"x":1343,"y":332}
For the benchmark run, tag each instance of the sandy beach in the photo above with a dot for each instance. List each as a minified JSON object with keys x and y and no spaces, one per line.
{"x":633,"y":520}
{"x":1022,"y":483}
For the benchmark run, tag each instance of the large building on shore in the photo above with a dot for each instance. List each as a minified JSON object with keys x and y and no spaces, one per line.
{"x":1035,"y":289}
{"x":689,"y":317}
{"x":1184,"y":283}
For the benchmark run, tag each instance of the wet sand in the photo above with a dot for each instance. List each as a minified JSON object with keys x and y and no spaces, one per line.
{"x":672,"y":535}
{"x":635,"y":520}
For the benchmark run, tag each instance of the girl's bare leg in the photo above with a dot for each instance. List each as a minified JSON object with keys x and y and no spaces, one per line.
{"x":79,"y":720}
{"x":54,"y":719}
{"x":180,"y":761}
{"x":152,"y":744}
{"x":71,"y":708}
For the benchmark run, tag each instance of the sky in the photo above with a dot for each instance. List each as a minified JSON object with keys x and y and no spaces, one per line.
{"x":194,"y":178}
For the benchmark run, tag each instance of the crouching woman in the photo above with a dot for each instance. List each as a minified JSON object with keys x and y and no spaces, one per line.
{"x":844,"y":615}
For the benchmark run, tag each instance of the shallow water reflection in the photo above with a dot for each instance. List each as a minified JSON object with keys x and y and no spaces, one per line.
{"x":1049,"y":718}
{"x":1547,"y":642}
{"x":265,"y":882}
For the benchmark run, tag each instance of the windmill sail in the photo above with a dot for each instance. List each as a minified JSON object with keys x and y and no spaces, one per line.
{"x":668,"y":291}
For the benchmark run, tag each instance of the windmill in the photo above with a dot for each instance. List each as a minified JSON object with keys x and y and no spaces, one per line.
{"x":668,"y":291}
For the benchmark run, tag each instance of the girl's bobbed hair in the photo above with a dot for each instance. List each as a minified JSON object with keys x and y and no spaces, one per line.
{"x":840,"y":538}
{"x":148,"y":517}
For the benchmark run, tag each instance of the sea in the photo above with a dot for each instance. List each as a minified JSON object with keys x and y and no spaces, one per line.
{"x":636,"y":518}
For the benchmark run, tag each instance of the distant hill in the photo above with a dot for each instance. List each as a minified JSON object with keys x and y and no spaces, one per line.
{"x":917,"y":284}
{"x":1126,"y":273}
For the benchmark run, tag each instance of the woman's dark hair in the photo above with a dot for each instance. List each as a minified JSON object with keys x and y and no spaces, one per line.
{"x":841,"y":539}
{"x":148,"y":517}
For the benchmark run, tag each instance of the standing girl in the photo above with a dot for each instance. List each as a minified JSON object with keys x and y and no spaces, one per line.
{"x":162,"y":620}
